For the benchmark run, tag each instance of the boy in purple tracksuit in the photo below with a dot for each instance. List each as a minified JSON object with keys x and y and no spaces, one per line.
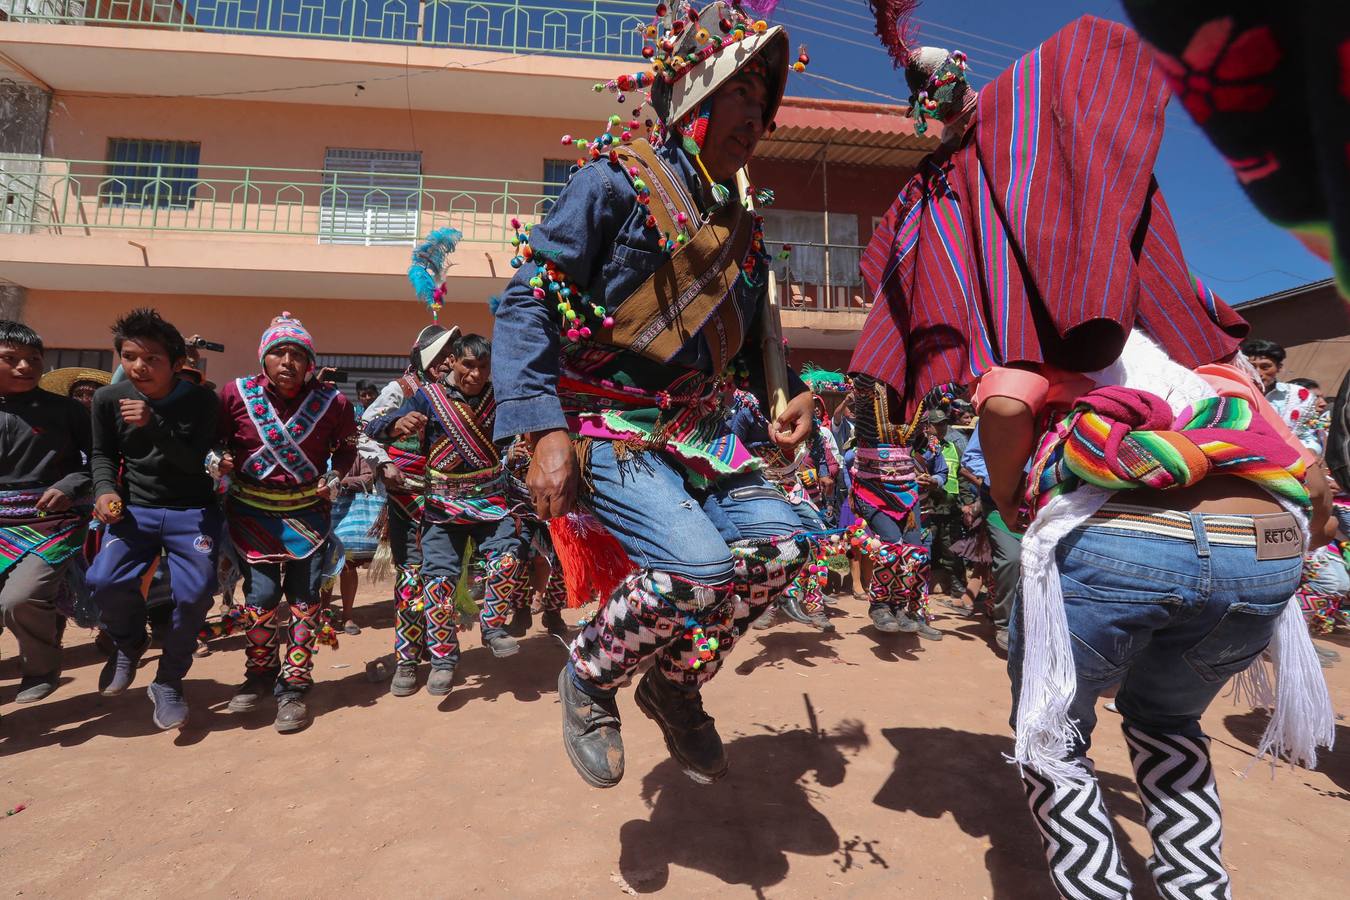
{"x":151,"y":436}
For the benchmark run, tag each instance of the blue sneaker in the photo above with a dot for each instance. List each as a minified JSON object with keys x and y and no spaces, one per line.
{"x":119,"y":671}
{"x":171,"y":710}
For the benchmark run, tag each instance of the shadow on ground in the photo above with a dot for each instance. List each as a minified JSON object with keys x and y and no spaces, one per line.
{"x":941,"y":771}
{"x":777,"y":648}
{"x":1335,"y":764}
{"x":741,"y":829}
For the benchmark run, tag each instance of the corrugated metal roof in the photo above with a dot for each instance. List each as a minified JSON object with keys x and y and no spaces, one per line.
{"x":846,"y":133}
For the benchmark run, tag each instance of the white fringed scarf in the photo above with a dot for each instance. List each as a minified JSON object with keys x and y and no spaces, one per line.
{"x":1302,"y":718}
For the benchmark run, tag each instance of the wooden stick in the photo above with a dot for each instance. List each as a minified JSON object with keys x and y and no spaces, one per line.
{"x":775,"y":359}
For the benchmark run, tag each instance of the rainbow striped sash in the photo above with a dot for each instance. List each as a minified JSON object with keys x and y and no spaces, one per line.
{"x":24,"y":530}
{"x":273,"y":524}
{"x":1120,"y":438}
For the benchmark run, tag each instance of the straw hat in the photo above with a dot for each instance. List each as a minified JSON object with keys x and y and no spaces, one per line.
{"x":60,"y":381}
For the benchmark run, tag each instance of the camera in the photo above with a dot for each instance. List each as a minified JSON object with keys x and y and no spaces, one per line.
{"x":204,"y":344}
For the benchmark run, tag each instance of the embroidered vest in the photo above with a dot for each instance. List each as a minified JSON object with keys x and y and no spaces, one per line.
{"x":281,"y":441}
{"x":692,"y":292}
{"x":467,"y":426}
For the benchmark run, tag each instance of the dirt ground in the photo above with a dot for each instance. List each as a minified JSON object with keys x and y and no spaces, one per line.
{"x":862,"y":765}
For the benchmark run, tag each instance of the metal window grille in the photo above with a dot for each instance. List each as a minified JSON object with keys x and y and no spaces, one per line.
{"x":370,"y":197}
{"x":358,"y":366}
{"x":159,"y":174}
{"x":62,"y":357}
{"x":556,"y":173}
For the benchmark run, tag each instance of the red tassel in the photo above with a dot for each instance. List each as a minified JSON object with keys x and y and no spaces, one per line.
{"x":593,"y":562}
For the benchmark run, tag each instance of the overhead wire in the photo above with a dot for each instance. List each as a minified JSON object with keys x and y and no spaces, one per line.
{"x":870,"y":34}
{"x":931,"y":24}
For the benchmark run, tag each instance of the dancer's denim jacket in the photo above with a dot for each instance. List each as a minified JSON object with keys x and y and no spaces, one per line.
{"x":596,"y":233}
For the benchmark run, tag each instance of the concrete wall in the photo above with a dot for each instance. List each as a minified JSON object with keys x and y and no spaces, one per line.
{"x":1313,"y":328}
{"x":290,"y":135}
{"x":69,"y":320}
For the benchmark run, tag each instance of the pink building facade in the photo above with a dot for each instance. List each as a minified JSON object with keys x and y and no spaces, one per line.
{"x":223,"y":175}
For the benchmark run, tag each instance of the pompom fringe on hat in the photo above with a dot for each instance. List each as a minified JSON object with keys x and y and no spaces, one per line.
{"x":286,"y":329}
{"x":936,"y":77}
{"x":694,"y":52}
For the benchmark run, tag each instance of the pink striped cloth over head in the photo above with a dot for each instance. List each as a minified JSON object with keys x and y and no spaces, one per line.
{"x":1044,"y":238}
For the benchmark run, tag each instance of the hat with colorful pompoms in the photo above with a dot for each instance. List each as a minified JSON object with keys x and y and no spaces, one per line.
{"x":936,"y":77}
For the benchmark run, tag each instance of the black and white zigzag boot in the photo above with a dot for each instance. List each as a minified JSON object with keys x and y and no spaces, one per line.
{"x":1176,"y":784}
{"x":1079,"y":842}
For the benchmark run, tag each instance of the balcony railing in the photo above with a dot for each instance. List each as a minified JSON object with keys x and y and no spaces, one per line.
{"x":820,"y":277}
{"x":606,"y":28}
{"x":63,"y":196}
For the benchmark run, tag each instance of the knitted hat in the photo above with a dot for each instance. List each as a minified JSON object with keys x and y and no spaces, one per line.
{"x":286,"y":329}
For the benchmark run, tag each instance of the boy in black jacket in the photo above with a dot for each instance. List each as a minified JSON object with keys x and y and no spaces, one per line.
{"x":44,"y":488}
{"x":155,"y":429}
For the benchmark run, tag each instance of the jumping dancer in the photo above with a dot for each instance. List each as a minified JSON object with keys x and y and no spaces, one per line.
{"x":151,"y":435}
{"x":625,"y":327}
{"x":1166,"y":498}
{"x":887,"y":480}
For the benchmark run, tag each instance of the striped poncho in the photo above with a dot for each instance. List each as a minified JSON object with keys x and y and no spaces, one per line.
{"x":1044,"y":239}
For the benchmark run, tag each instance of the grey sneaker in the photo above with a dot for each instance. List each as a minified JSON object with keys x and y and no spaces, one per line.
{"x":792,"y":608}
{"x":119,"y":671}
{"x":291,"y":713}
{"x":405,"y":680}
{"x":926,"y":631}
{"x":883,"y":619}
{"x":1001,"y":638}
{"x":500,"y":643}
{"x":440,"y":681}
{"x":171,"y":710}
{"x":37,"y":687}
{"x":907,"y":623}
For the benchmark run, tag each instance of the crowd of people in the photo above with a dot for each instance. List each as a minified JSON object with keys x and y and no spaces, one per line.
{"x":1056,"y":420}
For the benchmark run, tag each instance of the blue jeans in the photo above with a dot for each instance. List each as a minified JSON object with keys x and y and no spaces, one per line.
{"x":808,"y":516}
{"x":888,"y":529}
{"x":404,"y":545}
{"x":189,"y":540}
{"x":666,"y":525}
{"x":1168,"y":620}
{"x":298,"y":579}
{"x":443,"y":545}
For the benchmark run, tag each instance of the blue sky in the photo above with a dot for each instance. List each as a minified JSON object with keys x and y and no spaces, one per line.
{"x":1227,"y":243}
